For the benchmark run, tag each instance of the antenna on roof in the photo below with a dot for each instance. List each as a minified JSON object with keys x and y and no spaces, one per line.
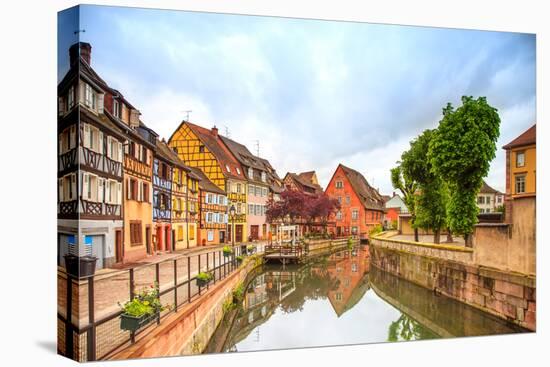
{"x":257,"y":147}
{"x":227,"y":133}
{"x":187,"y":112}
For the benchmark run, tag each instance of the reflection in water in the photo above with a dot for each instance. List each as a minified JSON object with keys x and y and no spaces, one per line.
{"x":337,"y":300}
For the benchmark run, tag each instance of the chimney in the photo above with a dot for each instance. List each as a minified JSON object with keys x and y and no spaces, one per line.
{"x":215,"y":131}
{"x":82,"y":48}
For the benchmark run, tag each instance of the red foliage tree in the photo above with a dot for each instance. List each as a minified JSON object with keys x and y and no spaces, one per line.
{"x":320,"y":207}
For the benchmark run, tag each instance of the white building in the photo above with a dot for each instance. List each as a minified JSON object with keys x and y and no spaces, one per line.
{"x":489,"y":199}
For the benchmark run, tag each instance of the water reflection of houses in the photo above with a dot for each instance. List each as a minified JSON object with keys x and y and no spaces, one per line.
{"x":350,"y":269}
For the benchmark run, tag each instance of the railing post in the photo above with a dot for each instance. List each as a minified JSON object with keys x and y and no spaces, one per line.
{"x":132,"y":284}
{"x":214,"y":266}
{"x":188,"y":279}
{"x":207,"y":268}
{"x":175,"y":285}
{"x":91,"y":352}
{"x":199,"y":264}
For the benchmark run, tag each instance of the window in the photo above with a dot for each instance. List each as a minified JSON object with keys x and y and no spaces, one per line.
{"x":481,"y":199}
{"x":227,"y":168}
{"x":520,"y":184}
{"x":201,"y":148}
{"x":192,"y":233}
{"x":250,"y":173}
{"x":520,"y":159}
{"x":238,"y":171}
{"x":180,"y":233}
{"x":67,"y":187}
{"x":114,"y":149}
{"x":339,"y":215}
{"x":210,"y":236}
{"x":348,"y":199}
{"x":70,"y":97}
{"x":116,"y":109}
{"x":135,"y":233}
{"x":67,"y":139}
{"x":354,"y":230}
{"x":264,"y":191}
{"x":355,"y":214}
{"x":354,"y":267}
{"x":339,"y":184}
{"x":264,"y":177}
{"x":144,"y":192}
{"x":238,"y":188}
{"x":340,"y":199}
{"x":113,"y":193}
{"x":90,"y":97}
{"x":93,"y":138}
{"x":338,"y":296}
{"x":89,"y":187}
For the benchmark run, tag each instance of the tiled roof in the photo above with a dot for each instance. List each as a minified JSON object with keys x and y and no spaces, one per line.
{"x":369,"y":197}
{"x":166,"y":153}
{"x":204,"y":183}
{"x":486,"y":189}
{"x":528,"y":137}
{"x":243,"y":155}
{"x":214,"y":144}
{"x":301,"y":181}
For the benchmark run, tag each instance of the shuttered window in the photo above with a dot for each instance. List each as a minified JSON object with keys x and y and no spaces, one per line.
{"x":135,"y":233}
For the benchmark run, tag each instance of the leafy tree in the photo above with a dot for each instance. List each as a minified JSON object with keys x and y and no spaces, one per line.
{"x":320,"y":207}
{"x":407,"y":329}
{"x":403,"y":181}
{"x":432,"y":198}
{"x":460,"y":152}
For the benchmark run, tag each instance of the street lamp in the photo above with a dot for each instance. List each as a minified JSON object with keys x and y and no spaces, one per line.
{"x":232,"y":212}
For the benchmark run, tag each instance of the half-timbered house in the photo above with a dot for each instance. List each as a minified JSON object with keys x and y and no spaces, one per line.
{"x":212,"y":212}
{"x":204,"y":149}
{"x":178,"y":219}
{"x":163,"y":164}
{"x":89,"y":164}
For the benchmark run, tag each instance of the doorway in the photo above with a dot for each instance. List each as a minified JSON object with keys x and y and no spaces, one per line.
{"x":222,"y":237}
{"x":254,"y":232}
{"x":148,"y":239}
{"x":238,"y":233}
{"x":118,"y":246}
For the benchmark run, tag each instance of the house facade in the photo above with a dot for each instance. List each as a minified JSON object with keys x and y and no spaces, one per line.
{"x":163,"y":166}
{"x":255,"y":171}
{"x":489,"y":199}
{"x":90,"y":173}
{"x":179,"y":217}
{"x":305,"y":182}
{"x":394,"y":206}
{"x":193,"y":209}
{"x":213,"y":215}
{"x":521,"y":169}
{"x":361,"y":206}
{"x":203,"y":148}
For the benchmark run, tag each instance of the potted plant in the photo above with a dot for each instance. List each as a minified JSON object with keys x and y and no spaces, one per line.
{"x":141,"y":310}
{"x":80,"y":266}
{"x":227,"y":251}
{"x":239,"y":259}
{"x":203,"y":278}
{"x":250,"y":249}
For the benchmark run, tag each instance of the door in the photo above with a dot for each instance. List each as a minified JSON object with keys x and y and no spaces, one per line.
{"x":229,"y":233}
{"x":254,"y":232}
{"x":239,"y":233}
{"x":222,"y":236}
{"x":167,"y":239}
{"x":173,"y":240}
{"x":148,"y":239}
{"x":118,"y":245}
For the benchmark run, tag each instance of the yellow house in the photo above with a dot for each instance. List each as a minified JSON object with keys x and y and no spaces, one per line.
{"x":203,"y":148}
{"x":521,"y":168}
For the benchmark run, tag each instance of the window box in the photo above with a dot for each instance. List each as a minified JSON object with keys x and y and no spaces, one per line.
{"x":133,"y":323}
{"x":203,"y":279}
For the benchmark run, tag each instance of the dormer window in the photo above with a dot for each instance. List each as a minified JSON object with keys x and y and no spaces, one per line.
{"x":201,"y":148}
{"x":238,"y":171}
{"x":250,"y":173}
{"x":116,"y":109}
{"x":264,"y":177}
{"x":227,"y":168}
{"x":90,"y":97}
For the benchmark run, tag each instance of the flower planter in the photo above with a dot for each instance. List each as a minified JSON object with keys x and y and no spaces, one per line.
{"x":202,"y":282}
{"x":80,"y":267}
{"x":227,"y":254}
{"x":133,"y":323}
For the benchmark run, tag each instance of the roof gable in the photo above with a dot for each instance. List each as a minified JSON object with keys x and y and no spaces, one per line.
{"x":528,"y":137}
{"x":368,"y":196}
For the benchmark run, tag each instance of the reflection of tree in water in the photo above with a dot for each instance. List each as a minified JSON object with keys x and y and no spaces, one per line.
{"x":405,"y":328}
{"x":312,"y":283}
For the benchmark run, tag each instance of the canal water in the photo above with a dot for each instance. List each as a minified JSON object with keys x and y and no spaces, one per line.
{"x":340,"y":299}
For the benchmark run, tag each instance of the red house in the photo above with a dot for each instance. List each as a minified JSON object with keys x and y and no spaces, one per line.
{"x":362,"y":207}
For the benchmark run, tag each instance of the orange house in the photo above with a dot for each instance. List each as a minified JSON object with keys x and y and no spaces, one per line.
{"x":361,"y":206}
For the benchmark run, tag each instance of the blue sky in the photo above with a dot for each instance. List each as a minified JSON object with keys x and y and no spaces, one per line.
{"x":314,"y":93}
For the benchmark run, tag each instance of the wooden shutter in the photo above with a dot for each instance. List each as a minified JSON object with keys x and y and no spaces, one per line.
{"x":61,"y":110}
{"x":100,"y":99}
{"x":81,"y":92}
{"x":85,"y":185}
{"x":86,"y":135}
{"x":128,"y":191}
{"x":109,"y":150}
{"x":73,"y":186}
{"x":72,"y":137}
{"x":101,"y":189}
{"x":140,"y":189}
{"x":119,"y":193}
{"x":119,"y":146}
{"x":101,"y":145}
{"x":60,"y":193}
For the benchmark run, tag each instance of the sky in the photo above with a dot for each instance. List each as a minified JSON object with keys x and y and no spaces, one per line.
{"x":313,"y":93}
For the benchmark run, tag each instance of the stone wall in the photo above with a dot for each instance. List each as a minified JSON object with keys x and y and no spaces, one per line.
{"x":452,"y":272}
{"x":189,"y":330}
{"x":512,"y":246}
{"x":317,"y":247}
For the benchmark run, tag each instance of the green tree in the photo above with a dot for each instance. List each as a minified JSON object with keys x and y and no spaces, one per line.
{"x":432,"y":197}
{"x":402,"y":180}
{"x":460,"y":152}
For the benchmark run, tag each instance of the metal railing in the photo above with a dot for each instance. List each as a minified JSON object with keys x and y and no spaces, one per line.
{"x":89,"y":309}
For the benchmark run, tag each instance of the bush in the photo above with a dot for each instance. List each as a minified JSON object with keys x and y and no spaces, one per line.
{"x":375,"y":230}
{"x":238,"y":292}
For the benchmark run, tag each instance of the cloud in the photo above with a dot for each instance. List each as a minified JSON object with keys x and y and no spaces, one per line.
{"x":314,"y":93}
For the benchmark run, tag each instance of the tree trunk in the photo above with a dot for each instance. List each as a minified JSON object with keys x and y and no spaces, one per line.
{"x":416,"y":235}
{"x":449,"y":236}
{"x":437,"y":236}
